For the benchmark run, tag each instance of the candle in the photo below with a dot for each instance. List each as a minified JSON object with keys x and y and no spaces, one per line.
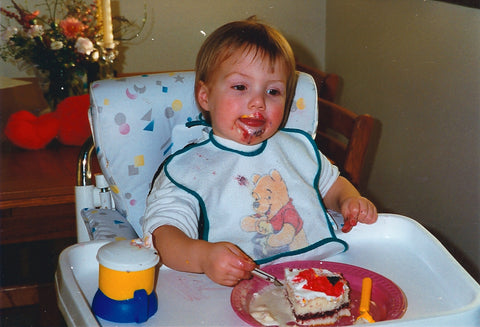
{"x":108,"y":42}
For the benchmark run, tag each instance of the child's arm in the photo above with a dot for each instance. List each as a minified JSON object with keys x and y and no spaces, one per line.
{"x":222,"y":262}
{"x":343,"y":197}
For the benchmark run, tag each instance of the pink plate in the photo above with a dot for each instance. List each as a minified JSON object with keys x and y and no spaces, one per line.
{"x":387,"y":301}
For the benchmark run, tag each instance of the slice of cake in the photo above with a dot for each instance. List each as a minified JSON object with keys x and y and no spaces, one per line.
{"x":317,"y":296}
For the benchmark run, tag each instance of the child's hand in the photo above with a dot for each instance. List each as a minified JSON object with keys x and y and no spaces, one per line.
{"x":357,"y":209}
{"x":226,"y":264}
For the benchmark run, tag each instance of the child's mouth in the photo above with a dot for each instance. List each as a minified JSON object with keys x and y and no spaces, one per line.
{"x":254,"y":120}
{"x":251,"y":126}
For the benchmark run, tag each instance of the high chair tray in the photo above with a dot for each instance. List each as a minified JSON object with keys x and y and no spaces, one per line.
{"x":438,"y":290}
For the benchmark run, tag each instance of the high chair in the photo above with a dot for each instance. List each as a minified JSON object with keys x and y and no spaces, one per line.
{"x":136,"y":123}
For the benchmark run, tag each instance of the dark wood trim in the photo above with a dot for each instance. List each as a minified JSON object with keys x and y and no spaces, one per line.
{"x":466,"y":3}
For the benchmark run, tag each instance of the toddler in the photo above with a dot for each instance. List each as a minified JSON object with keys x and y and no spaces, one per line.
{"x":251,"y":191}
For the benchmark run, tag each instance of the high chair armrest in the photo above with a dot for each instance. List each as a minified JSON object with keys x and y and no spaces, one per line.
{"x":83,"y":188}
{"x":84,"y":170}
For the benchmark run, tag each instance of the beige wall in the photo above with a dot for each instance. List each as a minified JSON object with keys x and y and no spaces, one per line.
{"x":415,"y":65}
{"x":173,"y":32}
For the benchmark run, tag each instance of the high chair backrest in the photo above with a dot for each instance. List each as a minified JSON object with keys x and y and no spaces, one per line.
{"x":138,"y":121}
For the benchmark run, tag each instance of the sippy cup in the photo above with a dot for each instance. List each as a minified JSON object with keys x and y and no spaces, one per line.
{"x":126,"y":290}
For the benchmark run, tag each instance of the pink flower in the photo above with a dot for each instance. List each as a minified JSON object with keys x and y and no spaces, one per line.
{"x":71,"y":27}
{"x":84,"y":45}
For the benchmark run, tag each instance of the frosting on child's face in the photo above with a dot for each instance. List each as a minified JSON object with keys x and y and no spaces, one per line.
{"x":245,"y":97}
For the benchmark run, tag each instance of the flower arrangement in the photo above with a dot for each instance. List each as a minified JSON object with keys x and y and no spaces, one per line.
{"x":44,"y":41}
{"x":63,"y":46}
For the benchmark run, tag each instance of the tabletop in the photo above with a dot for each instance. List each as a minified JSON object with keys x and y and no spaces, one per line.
{"x":34,"y":177}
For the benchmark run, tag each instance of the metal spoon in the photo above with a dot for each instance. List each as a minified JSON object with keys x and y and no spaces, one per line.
{"x":266,"y":276}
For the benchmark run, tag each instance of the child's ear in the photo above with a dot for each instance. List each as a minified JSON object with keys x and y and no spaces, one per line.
{"x":202,"y":96}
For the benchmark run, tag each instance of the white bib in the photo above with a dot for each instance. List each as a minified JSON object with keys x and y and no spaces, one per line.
{"x":265,"y":201}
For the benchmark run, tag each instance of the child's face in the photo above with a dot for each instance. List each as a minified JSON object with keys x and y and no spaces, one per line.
{"x":245,"y":98}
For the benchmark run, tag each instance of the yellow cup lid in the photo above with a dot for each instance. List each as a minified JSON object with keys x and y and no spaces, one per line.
{"x":127,"y":255}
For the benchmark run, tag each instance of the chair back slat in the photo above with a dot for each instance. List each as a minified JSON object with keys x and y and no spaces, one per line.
{"x":344,"y":137}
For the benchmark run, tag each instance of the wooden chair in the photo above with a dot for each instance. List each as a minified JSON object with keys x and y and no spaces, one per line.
{"x":345,"y":138}
{"x":342,"y":135}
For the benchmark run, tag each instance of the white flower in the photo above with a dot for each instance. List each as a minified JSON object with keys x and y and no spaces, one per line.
{"x":8,"y":33}
{"x":35,"y":30}
{"x":84,"y":45}
{"x":95,"y":55}
{"x":56,"y":45}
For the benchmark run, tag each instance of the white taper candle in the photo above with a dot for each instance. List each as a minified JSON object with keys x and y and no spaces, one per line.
{"x":108,"y":41}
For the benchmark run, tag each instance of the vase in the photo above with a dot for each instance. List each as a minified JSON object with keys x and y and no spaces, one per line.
{"x":59,"y":83}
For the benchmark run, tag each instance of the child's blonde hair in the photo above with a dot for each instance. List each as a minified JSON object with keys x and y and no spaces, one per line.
{"x":246,"y":35}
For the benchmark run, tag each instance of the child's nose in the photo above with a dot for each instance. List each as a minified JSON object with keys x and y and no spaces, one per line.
{"x":257,"y":102}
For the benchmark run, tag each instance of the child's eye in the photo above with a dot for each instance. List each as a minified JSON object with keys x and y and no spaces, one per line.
{"x":273,"y":92}
{"x":239,"y":87}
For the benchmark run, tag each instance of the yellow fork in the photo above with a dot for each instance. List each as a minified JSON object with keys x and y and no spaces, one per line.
{"x":365,"y":316}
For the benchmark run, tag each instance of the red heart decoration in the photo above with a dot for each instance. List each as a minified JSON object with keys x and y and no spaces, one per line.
{"x":28,"y":131}
{"x":73,"y":115}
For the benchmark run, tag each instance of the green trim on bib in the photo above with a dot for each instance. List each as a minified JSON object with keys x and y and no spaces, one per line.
{"x":315,"y":172}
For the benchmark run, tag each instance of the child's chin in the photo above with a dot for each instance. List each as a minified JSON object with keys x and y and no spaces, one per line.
{"x":251,"y":136}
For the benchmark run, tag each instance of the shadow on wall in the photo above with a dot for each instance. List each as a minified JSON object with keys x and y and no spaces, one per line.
{"x":303,"y":55}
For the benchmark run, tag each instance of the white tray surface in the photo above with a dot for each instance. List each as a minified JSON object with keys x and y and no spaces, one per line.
{"x":438,"y":290}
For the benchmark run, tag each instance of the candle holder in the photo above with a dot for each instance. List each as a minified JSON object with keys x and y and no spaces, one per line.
{"x":108,"y":54}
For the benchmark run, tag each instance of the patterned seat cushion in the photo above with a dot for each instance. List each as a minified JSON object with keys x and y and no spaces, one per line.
{"x":105,"y":224}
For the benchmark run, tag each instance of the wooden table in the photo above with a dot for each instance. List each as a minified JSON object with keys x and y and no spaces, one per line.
{"x":37,"y":193}
{"x":37,"y":220}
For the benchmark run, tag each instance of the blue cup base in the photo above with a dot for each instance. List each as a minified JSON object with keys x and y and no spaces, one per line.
{"x":137,"y":309}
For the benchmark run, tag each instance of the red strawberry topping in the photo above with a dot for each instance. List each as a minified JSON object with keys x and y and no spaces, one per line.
{"x":329,"y":286}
